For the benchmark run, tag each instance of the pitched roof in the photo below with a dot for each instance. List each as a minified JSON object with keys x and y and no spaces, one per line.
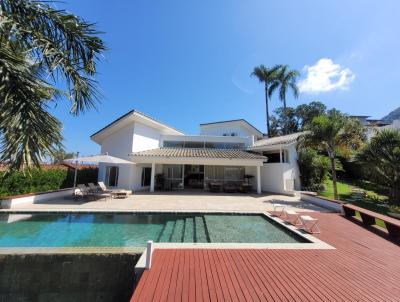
{"x":279,"y":140}
{"x":232,"y":121}
{"x":133,"y":111}
{"x":199,"y":152}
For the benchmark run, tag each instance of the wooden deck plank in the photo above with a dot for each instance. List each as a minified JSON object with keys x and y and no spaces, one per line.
{"x":363,"y":267}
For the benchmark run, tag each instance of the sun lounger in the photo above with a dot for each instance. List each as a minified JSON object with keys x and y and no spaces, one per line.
{"x":95,"y":188}
{"x":87,"y":192}
{"x":281,"y":212}
{"x":310,"y":224}
{"x":104,"y":189}
{"x":292,"y":217}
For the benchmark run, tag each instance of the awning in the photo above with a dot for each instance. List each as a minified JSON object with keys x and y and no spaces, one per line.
{"x":102,"y":158}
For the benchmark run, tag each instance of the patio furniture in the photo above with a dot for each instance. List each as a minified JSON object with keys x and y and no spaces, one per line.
{"x":292,"y":217}
{"x":310,"y":224}
{"x":230,"y":188}
{"x":95,"y":188}
{"x":88,"y":193}
{"x":278,"y":206}
{"x":119,"y":194}
{"x":368,"y":218}
{"x":83,"y":192}
{"x":215,"y":187}
{"x":104,"y":189}
{"x":245,"y":187}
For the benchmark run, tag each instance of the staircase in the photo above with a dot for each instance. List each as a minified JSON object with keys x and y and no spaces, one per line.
{"x":188,"y":229}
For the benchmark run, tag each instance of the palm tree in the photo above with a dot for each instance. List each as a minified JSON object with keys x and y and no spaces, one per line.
{"x":332,"y":133}
{"x":286,"y":81}
{"x":382,"y":155}
{"x":269,"y":77}
{"x":40,"y":48}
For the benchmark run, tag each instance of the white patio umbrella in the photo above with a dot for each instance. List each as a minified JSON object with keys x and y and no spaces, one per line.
{"x":96,"y":159}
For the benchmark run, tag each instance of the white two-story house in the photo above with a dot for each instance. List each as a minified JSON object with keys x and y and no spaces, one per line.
{"x":226,"y":156}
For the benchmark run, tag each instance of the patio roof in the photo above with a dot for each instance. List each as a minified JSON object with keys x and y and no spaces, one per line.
{"x":279,"y":140}
{"x":199,"y":153}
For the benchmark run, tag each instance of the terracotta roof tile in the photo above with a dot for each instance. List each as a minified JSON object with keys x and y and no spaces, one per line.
{"x":199,"y":152}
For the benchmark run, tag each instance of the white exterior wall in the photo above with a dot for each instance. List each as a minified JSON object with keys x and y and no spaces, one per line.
{"x":222,"y":129}
{"x":145,"y":138}
{"x":132,"y":138}
{"x":119,"y":143}
{"x":275,"y":176}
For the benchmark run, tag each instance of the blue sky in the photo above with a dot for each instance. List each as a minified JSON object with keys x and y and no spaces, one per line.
{"x":188,"y":62}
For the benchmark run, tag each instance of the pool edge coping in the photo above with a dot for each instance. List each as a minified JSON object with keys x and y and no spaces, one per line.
{"x":313,"y":242}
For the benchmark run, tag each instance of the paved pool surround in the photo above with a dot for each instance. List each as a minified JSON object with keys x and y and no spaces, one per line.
{"x":67,"y":277}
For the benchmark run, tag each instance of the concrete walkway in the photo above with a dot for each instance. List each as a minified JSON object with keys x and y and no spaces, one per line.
{"x":176,"y":201}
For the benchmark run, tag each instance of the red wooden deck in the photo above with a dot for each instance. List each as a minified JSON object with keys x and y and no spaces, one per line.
{"x":363,"y":267}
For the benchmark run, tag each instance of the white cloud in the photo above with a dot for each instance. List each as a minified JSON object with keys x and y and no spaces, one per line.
{"x":326,"y":76}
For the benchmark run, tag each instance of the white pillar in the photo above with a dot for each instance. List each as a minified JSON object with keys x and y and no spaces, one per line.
{"x":258,"y":180}
{"x":153,"y":172}
{"x":149,"y":254}
{"x":280,"y":155}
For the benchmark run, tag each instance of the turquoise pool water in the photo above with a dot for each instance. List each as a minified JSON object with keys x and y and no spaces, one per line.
{"x":133,"y":230}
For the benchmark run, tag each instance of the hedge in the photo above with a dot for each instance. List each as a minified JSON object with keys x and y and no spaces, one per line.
{"x":40,"y":180}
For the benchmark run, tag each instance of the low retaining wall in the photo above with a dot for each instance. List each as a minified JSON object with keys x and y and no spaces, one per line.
{"x":67,"y":277}
{"x":11,"y":201}
{"x":330,"y":204}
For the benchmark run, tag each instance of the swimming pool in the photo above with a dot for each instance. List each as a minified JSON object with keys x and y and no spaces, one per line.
{"x":135,"y":229}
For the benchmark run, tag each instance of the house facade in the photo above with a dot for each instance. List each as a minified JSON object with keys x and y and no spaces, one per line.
{"x":229,"y":155}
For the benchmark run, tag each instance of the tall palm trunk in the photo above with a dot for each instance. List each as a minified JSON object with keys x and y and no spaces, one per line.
{"x":266,"y":109}
{"x":284,"y":104}
{"x":334,"y":179}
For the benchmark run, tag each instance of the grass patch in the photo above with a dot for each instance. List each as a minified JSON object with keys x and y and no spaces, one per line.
{"x":372,"y":199}
{"x":344,"y":190}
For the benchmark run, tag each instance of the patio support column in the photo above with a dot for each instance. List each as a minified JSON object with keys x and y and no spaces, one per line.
{"x":258,"y":180}
{"x":153,"y":172}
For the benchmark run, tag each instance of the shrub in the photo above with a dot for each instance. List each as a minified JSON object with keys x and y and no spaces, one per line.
{"x":41,"y":180}
{"x":313,"y":169}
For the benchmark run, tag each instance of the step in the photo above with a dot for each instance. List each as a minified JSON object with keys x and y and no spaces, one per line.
{"x":201,"y":235}
{"x":188,"y":237}
{"x":178,"y":231}
{"x":167,"y":232}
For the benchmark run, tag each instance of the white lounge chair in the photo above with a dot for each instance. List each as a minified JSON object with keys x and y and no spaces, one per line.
{"x":310,"y":224}
{"x":278,"y":206}
{"x":103,"y":188}
{"x":87,"y":192}
{"x":292,"y":217}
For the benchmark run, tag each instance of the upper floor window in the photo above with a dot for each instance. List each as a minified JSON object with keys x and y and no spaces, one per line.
{"x":210,"y":145}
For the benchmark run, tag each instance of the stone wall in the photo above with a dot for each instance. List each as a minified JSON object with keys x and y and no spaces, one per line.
{"x":67,"y":277}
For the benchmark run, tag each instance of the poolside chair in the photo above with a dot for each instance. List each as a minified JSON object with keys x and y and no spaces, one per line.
{"x":89,"y":193}
{"x":83,"y":191}
{"x":292,"y":217}
{"x":310,"y":224}
{"x":282,"y":208}
{"x":94,"y":188}
{"x":104,"y":189}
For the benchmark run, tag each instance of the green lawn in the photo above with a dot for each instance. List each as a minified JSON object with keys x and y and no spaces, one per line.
{"x":373,"y":200}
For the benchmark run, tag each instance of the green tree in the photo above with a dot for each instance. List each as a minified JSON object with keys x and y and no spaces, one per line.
{"x":269,"y":77}
{"x":286,"y":81}
{"x":60,"y":155}
{"x":284,"y":121}
{"x":333,"y":133}
{"x":382,"y":155}
{"x":306,"y":112}
{"x":40,"y":48}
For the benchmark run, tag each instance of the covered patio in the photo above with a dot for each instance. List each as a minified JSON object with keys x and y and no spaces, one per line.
{"x":202,"y":168}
